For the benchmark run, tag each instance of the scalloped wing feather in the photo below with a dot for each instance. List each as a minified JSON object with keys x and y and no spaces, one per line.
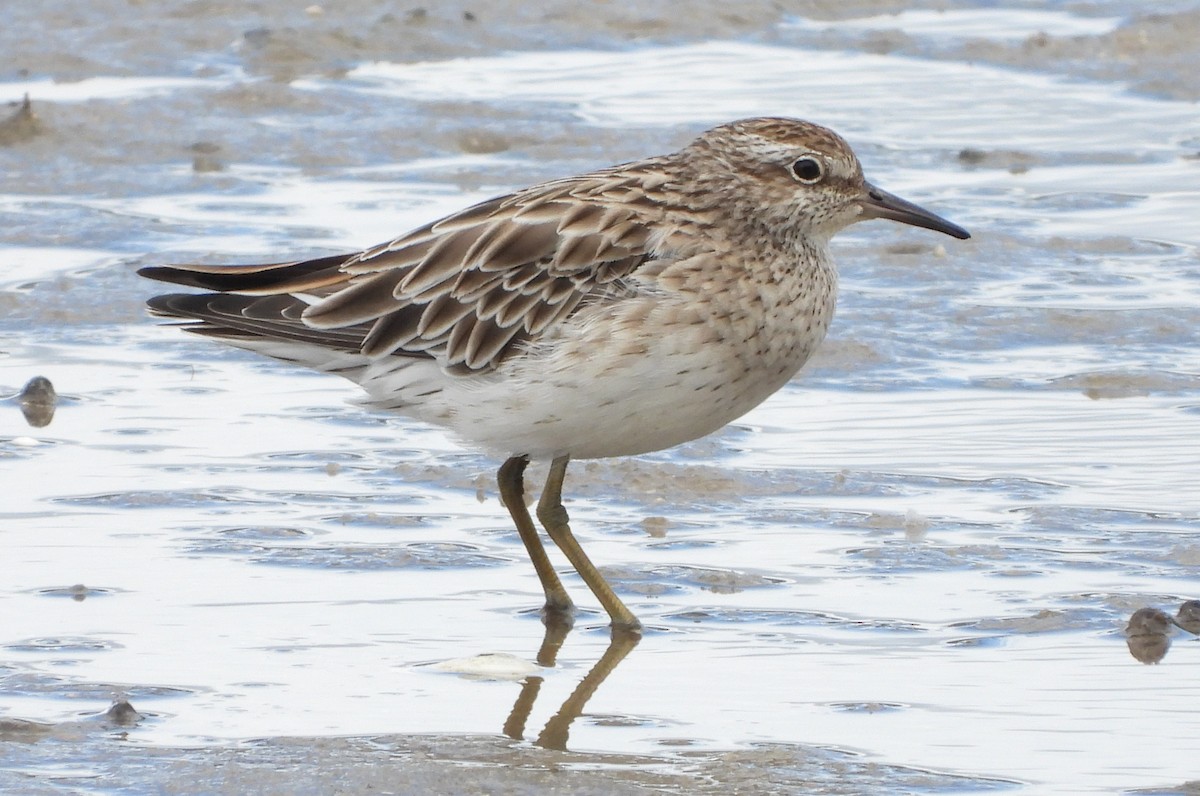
{"x":471,"y":285}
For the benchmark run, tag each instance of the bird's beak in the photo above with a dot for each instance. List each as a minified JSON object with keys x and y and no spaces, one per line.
{"x":877,"y":203}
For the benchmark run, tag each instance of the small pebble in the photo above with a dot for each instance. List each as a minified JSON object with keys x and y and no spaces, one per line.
{"x":38,"y":401}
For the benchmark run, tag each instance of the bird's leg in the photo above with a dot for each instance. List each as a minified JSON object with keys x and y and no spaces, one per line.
{"x":511,"y":479}
{"x":554,"y":517}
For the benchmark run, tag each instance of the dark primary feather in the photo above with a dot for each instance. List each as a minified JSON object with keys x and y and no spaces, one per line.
{"x":266,"y":279}
{"x":464,"y":289}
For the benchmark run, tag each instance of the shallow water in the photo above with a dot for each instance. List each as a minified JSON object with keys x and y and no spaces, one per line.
{"x":911,"y":568}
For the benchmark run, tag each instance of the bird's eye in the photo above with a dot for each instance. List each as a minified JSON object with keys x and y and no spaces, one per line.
{"x":807,"y":170}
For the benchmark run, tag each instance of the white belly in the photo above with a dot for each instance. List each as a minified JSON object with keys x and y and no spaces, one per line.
{"x":605,"y":391}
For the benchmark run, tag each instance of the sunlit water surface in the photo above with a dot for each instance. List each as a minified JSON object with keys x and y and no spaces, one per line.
{"x":922,"y":550}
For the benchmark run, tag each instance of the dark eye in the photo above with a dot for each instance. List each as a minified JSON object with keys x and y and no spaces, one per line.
{"x":807,"y":170}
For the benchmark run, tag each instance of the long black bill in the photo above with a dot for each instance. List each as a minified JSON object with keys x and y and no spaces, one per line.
{"x":878,"y":203}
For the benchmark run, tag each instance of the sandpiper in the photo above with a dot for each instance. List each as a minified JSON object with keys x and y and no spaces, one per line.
{"x":617,"y":312}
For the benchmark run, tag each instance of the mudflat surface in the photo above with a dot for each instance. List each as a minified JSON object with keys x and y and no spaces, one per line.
{"x":908,"y":572}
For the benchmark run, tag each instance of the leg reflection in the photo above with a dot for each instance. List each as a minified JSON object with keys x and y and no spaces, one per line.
{"x":556,"y":633}
{"x":555,"y":733}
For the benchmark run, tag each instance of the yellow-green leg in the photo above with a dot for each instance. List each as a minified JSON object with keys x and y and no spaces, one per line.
{"x":511,"y":479}
{"x":554,"y":517}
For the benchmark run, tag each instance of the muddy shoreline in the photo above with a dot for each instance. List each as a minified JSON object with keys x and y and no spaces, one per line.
{"x":73,"y":161}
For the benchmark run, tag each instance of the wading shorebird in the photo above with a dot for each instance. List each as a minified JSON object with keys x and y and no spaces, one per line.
{"x":618,"y":312}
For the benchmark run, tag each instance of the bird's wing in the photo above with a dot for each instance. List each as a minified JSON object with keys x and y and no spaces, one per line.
{"x":463,"y":289}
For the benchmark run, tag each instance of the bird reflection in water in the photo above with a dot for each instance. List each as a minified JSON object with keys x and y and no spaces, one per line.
{"x":1148,"y":632}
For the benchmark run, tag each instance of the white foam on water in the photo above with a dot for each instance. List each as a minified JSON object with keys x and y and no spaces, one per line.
{"x":971,"y":23}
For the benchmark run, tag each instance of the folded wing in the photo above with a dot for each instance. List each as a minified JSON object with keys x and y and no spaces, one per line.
{"x":463,"y":290}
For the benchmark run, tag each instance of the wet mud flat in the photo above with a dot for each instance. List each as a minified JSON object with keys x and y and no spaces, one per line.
{"x":447,"y":764}
{"x":911,"y":571}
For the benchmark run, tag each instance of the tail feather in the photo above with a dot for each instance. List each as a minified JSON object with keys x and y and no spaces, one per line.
{"x":257,"y":301}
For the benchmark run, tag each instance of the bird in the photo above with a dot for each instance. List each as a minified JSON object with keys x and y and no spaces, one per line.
{"x":617,"y":312}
